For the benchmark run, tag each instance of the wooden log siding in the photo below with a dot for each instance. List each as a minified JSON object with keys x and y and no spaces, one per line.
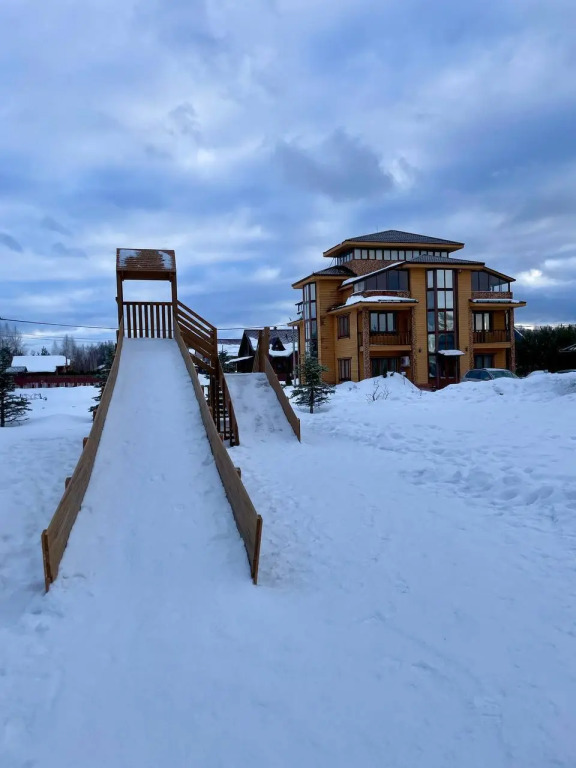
{"x":293,"y":420}
{"x":248,"y":521}
{"x":231,"y":431}
{"x":55,"y":537}
{"x":147,"y":319}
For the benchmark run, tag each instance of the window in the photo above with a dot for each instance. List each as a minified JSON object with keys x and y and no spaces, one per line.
{"x":389,"y":280}
{"x":382,"y":322}
{"x":310,"y":319}
{"x":344,"y":369}
{"x":382,"y":365}
{"x":484,"y":281}
{"x":482,"y":322}
{"x":483,"y":361}
{"x":344,"y":327}
{"x":440,"y":320}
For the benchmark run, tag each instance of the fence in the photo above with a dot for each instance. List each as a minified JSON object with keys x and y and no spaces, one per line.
{"x":55,"y":537}
{"x":248,"y":521}
{"x":147,"y":319}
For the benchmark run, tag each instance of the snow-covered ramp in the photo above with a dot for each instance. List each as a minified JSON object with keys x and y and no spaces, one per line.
{"x":257,"y":408}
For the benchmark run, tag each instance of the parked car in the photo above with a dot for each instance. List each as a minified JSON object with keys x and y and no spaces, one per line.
{"x":488,"y":374}
{"x":567,"y":370}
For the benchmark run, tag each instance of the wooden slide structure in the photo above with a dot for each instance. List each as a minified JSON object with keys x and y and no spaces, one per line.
{"x":197,"y":342}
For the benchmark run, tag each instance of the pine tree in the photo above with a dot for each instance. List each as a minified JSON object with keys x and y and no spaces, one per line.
{"x":102,"y":375}
{"x":312,"y":391}
{"x":224,"y":358}
{"x":12,"y":407}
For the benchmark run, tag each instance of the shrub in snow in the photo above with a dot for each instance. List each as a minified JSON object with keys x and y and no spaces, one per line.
{"x":12,"y":407}
{"x":312,"y":391}
{"x":102,"y":376}
{"x":379,"y":391}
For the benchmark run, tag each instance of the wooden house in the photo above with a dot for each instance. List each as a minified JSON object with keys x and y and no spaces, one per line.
{"x":397,"y":301}
{"x":282,"y":352}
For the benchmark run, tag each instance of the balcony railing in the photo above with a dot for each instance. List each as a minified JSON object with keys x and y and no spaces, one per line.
{"x":396,"y":339}
{"x":491,"y":337}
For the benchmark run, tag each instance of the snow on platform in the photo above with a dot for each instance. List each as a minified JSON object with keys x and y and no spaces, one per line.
{"x":259,"y":414}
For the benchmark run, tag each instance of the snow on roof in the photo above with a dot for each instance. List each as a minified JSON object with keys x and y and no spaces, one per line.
{"x":495,"y":301}
{"x":239,"y":359}
{"x":146,"y":259}
{"x":359,"y":299}
{"x":39,"y":363}
{"x":280,"y":352}
{"x":450,"y":352}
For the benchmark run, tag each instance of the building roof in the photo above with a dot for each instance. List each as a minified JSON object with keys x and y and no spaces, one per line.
{"x":39,"y":363}
{"x":145,"y":260}
{"x":285,"y":335}
{"x":430,"y":258}
{"x":397,"y":236}
{"x":336,"y":271}
{"x":569,"y":348}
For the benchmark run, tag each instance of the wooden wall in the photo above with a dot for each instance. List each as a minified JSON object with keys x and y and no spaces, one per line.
{"x":464,"y":339}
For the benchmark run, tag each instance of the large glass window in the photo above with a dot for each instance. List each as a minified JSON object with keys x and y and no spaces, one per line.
{"x":382,"y":365}
{"x":389,"y":280}
{"x":310,"y":319}
{"x":483,"y":361}
{"x":484,"y":281}
{"x":440,"y":319}
{"x":482,"y":322}
{"x":382,"y":322}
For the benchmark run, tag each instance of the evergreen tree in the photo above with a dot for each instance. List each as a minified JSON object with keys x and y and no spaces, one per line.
{"x":12,"y":407}
{"x":312,"y":391}
{"x":102,"y":375}
{"x":224,"y":358}
{"x":44,"y":352}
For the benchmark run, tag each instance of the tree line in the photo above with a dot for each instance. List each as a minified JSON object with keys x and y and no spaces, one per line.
{"x":82,"y":358}
{"x":538,"y":349}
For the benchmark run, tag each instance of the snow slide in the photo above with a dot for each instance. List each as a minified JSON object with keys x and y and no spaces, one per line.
{"x":258,"y":412}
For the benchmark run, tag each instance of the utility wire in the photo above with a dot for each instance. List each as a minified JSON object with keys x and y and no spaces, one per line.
{"x":110,"y":328}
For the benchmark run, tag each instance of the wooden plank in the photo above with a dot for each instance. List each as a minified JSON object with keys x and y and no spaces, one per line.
{"x":55,"y":537}
{"x":139,"y":320}
{"x":285,"y":404}
{"x":134,"y":321}
{"x":248,"y":521}
{"x":146,"y":327}
{"x":170,"y":317}
{"x":128,"y":321}
{"x":182,"y":307}
{"x":163,"y":322}
{"x":157,"y":332}
{"x":195,"y":330}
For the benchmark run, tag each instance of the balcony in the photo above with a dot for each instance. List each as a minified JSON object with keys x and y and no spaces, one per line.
{"x":388,"y":339}
{"x":491,"y":337}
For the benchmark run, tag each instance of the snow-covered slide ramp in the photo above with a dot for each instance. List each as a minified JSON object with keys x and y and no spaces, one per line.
{"x":257,"y":408}
{"x":155,"y":508}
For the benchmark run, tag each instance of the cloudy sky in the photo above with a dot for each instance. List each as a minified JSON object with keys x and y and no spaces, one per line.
{"x":251,"y":136}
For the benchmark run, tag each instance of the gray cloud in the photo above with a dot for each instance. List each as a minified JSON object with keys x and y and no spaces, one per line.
{"x":59,"y":249}
{"x":10,"y":242}
{"x":54,"y":226}
{"x":341,"y":167}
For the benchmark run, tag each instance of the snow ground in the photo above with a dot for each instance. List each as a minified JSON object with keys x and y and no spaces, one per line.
{"x":415,"y":607}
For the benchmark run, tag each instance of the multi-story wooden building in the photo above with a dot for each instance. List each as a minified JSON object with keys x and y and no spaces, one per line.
{"x":395,"y":301}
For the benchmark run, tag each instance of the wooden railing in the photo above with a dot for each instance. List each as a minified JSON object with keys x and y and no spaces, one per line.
{"x":55,"y":537}
{"x":398,"y":339}
{"x":274,"y":382}
{"x":262,"y":365}
{"x":223,"y":409}
{"x":148,"y":319}
{"x":491,"y":337}
{"x":199,"y":336}
{"x":248,"y":521}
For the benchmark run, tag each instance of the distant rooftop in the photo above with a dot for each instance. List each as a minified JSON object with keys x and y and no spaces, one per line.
{"x":395,"y":237}
{"x":145,"y":259}
{"x":39,"y":363}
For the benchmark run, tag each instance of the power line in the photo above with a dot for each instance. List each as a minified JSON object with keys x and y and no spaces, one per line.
{"x":60,"y":325}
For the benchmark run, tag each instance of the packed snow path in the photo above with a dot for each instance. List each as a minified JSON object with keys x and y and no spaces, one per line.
{"x":259,"y":414}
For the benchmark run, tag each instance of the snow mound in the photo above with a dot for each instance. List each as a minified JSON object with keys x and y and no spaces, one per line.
{"x":392,"y":387}
{"x":542,"y":388}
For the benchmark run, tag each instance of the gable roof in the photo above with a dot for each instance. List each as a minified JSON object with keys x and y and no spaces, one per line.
{"x":39,"y":363}
{"x":397,"y":236}
{"x":286,"y":336}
